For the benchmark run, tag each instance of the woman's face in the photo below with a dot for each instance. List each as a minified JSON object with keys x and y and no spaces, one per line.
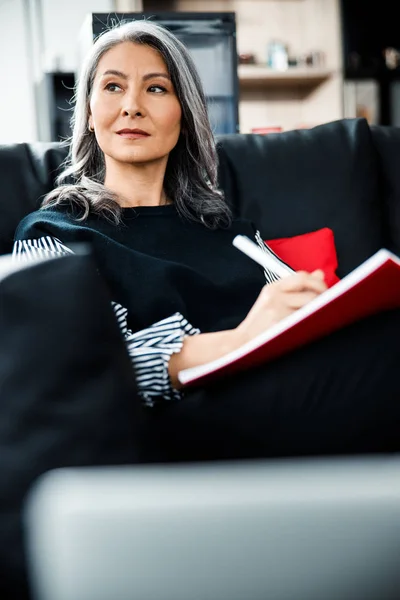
{"x":134,"y":109}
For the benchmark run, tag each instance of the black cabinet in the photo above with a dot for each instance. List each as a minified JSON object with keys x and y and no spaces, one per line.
{"x":371,"y":51}
{"x":60,"y":91}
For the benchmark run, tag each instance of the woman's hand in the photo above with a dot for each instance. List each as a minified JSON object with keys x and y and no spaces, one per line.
{"x":278,"y":300}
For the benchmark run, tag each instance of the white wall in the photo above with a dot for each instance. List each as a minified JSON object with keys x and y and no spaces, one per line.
{"x":62,"y":22}
{"x":23,"y":61}
{"x":17,"y":106}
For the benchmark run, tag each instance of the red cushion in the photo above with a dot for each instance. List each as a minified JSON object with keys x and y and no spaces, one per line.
{"x":308,"y":252}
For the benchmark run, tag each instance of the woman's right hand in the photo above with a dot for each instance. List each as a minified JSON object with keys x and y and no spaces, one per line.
{"x":276,"y":301}
{"x":279,"y":300}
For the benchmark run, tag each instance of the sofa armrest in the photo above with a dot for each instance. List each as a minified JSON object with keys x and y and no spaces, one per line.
{"x":386,"y":140}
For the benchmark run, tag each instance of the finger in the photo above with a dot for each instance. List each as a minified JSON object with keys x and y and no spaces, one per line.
{"x":298,"y":299}
{"x":318,"y":273}
{"x":302,"y":281}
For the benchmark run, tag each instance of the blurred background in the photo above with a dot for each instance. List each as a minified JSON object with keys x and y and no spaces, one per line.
{"x":266,"y":65}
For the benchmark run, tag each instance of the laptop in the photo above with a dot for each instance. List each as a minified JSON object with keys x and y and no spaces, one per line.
{"x":315,"y":529}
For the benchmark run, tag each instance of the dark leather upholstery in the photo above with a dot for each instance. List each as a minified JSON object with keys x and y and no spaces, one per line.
{"x":299,"y":181}
{"x":342,"y":175}
{"x":27,"y":173}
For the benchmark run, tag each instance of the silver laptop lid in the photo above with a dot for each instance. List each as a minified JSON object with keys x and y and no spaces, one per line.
{"x":252,"y":530}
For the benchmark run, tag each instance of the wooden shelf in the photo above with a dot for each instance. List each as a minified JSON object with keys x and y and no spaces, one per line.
{"x":261,"y":75}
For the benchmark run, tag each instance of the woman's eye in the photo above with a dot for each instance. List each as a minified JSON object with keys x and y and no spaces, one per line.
{"x":112,"y":87}
{"x":158,"y":89}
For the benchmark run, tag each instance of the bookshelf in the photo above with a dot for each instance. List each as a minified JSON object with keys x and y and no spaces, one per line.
{"x":263,"y":76}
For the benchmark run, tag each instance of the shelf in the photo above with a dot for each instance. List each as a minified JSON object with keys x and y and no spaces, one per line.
{"x":261,"y":75}
{"x":379,"y":75}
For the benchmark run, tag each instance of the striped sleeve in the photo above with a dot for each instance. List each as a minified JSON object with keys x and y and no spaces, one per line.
{"x":149,"y":349}
{"x":270,"y":275}
{"x":44,"y":247}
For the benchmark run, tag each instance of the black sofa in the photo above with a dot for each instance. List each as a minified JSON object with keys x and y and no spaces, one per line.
{"x":342,"y":175}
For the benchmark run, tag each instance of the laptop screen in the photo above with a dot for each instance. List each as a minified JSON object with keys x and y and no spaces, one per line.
{"x":251,"y":530}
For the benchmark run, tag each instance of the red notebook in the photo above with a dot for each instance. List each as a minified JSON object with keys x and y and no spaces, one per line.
{"x":372,"y":287}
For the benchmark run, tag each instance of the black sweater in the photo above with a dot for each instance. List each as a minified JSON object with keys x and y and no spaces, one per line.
{"x":155,"y":264}
{"x":168,"y":278}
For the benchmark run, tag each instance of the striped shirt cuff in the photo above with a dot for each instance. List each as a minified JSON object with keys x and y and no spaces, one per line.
{"x":44,"y":247}
{"x":150,"y":351}
{"x":271,"y":276}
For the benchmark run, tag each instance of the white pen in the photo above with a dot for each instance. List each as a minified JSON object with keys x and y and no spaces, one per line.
{"x":246,"y":245}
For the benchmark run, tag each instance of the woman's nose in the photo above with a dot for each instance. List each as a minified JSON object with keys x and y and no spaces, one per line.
{"x":132,"y":105}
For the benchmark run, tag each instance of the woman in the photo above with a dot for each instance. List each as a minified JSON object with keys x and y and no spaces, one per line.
{"x":144,"y":195}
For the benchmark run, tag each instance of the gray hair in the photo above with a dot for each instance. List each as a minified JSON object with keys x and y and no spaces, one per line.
{"x":191,"y":173}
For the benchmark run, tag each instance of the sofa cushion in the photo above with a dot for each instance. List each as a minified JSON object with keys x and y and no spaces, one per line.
{"x":309,"y":252}
{"x":387,"y":144}
{"x":67,"y":394}
{"x":294,"y":182}
{"x":27,"y":173}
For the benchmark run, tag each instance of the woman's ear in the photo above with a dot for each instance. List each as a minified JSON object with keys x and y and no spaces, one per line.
{"x":90,"y":123}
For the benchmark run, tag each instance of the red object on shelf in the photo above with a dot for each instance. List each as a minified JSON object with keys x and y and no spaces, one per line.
{"x":266,"y":130}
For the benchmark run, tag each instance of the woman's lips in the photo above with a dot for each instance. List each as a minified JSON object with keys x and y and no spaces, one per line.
{"x":133,"y":135}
